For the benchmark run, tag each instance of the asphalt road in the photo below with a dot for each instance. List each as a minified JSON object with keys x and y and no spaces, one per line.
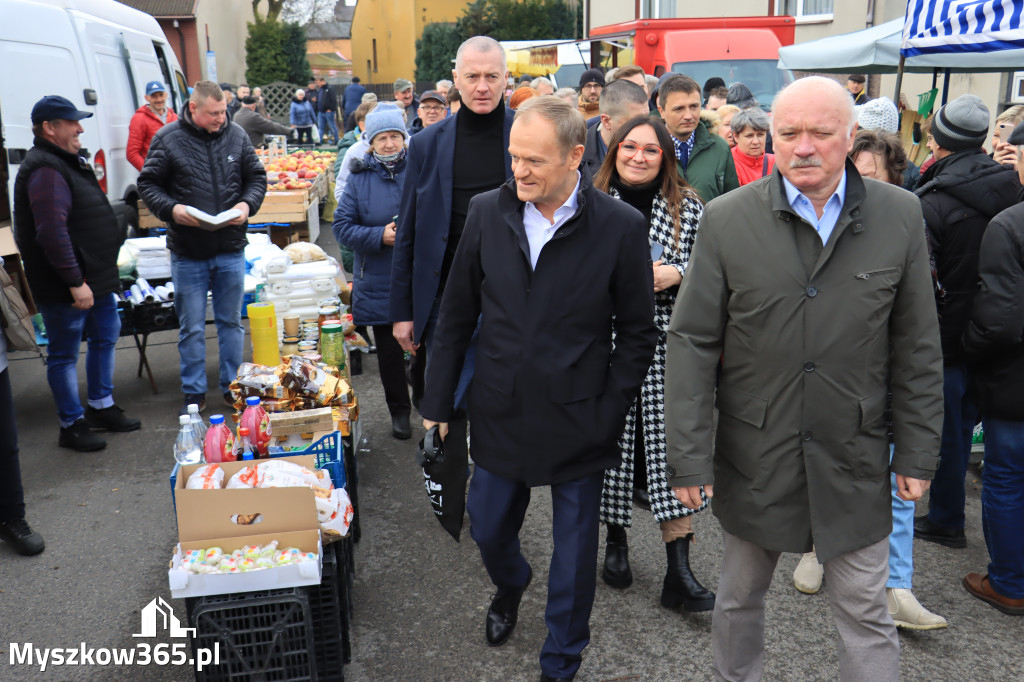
{"x":420,"y":598}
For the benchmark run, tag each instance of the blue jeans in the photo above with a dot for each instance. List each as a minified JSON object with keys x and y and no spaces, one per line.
{"x":64,"y":328}
{"x":901,"y":540}
{"x":223,"y":276}
{"x":1002,"y":505}
{"x":12,"y":497}
{"x":325,"y":120}
{"x":946,"y":501}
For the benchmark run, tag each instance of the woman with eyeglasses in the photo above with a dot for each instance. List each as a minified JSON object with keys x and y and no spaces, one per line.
{"x":640,"y":169}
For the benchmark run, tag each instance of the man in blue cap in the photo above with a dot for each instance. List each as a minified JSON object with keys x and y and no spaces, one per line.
{"x":149,"y":118}
{"x":69,"y":239}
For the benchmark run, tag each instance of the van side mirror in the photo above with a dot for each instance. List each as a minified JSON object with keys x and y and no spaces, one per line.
{"x":90,"y":96}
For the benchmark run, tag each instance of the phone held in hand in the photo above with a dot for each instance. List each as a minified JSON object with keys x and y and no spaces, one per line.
{"x":657,"y":250}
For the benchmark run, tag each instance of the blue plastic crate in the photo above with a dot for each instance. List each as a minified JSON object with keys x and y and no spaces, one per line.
{"x":330,"y":455}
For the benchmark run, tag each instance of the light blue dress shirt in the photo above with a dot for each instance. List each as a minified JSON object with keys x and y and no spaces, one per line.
{"x":539,"y":230}
{"x":805,"y":209}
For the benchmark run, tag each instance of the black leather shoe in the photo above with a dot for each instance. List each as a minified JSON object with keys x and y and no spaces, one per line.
{"x":642,"y":498}
{"x":681,"y":586}
{"x":400,"y":428}
{"x":503,"y":614}
{"x":926,"y":529}
{"x":548,"y":678}
{"x":111,"y":419}
{"x":24,"y":540}
{"x":79,"y":437}
{"x":616,"y":572}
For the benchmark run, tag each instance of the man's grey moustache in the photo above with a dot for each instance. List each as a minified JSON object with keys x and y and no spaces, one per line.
{"x":805,"y":163}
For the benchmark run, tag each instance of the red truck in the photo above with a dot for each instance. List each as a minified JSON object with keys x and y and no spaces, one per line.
{"x":738,"y":49}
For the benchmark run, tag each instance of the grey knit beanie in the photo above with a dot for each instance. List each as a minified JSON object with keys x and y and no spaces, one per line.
{"x":740,"y":96}
{"x":961,"y":124}
{"x":386,"y":116}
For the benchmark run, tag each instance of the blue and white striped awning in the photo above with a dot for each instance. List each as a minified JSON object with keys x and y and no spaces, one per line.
{"x":958,"y":26}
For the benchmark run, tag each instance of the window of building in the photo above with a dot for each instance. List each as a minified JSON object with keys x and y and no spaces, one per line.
{"x":812,"y":10}
{"x":658,"y":9}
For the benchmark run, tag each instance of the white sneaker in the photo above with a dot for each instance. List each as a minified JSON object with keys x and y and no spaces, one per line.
{"x":908,"y":613}
{"x":808,"y":574}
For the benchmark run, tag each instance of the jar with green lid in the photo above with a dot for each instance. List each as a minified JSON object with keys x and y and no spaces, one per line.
{"x":332,"y":344}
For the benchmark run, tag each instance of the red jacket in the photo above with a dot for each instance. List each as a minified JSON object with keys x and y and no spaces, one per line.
{"x":141,"y":130}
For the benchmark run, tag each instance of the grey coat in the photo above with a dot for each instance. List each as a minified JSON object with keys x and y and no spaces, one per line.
{"x":811,"y":338}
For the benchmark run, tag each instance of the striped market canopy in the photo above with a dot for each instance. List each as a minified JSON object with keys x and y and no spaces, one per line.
{"x":959,"y":26}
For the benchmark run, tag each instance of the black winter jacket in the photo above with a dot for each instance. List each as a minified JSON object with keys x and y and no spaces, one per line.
{"x":959,"y":196}
{"x":994,"y":340}
{"x":550,"y":391}
{"x":91,"y":225}
{"x":211,"y":171}
{"x":592,"y":152}
{"x":325,"y":99}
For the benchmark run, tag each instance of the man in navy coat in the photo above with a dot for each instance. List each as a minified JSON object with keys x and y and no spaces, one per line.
{"x":448,"y":163}
{"x":548,"y":269}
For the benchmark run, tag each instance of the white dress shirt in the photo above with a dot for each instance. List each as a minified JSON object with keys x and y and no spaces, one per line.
{"x":539,"y":230}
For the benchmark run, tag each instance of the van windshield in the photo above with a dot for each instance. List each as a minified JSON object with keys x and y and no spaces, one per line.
{"x":760,"y":75}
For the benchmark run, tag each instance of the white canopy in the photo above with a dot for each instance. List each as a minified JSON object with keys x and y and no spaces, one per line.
{"x":877,"y":50}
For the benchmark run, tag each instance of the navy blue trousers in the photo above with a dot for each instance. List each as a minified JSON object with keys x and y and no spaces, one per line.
{"x":497,"y":507}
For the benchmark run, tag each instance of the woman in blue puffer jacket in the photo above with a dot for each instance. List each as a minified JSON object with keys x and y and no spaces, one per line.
{"x":302,"y":116}
{"x":365,"y":222}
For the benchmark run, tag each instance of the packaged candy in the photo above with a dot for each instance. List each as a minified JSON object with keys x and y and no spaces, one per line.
{"x":225,"y":563}
{"x":246,"y":565}
{"x":202,"y":569}
{"x":251,"y":551}
{"x":265,"y":562}
{"x":214,"y":555}
{"x":194,"y":555}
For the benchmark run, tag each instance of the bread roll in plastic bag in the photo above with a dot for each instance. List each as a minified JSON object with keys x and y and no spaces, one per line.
{"x":304,"y":252}
{"x":209,"y":477}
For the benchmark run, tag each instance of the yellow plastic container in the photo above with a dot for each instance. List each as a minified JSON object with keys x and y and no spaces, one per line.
{"x":263,"y":329}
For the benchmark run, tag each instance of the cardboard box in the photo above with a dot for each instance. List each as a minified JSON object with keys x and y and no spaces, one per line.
{"x":301,"y":421}
{"x":206,"y":519}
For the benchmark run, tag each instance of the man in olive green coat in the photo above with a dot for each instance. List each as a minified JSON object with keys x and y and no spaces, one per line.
{"x":813,"y":287}
{"x":703,"y":159}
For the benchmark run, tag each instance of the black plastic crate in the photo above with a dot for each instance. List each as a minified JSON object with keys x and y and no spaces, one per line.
{"x":330,"y":619}
{"x":262,"y":635}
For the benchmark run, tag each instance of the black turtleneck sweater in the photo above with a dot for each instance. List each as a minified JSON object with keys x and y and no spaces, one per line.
{"x":640,"y":197}
{"x":479,"y":166}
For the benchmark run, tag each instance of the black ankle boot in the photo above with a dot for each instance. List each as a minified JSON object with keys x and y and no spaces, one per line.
{"x":681,"y":587}
{"x":616,"y":570}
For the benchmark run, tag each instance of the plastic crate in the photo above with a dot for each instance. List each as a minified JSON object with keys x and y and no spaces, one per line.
{"x":262,"y":635}
{"x":329,"y":452}
{"x":329,"y":612}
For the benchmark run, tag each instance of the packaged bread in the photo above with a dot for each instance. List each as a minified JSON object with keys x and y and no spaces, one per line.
{"x":208,"y":477}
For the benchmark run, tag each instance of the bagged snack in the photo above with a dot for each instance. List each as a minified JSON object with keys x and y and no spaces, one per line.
{"x":209,"y":477}
{"x":339,"y":520}
{"x":243,"y":478}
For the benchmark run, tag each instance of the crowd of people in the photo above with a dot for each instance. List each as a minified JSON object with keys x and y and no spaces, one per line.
{"x":643,"y":292}
{"x":790,"y":347}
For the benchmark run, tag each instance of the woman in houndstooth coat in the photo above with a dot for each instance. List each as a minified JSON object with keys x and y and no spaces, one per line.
{"x":640,"y":169}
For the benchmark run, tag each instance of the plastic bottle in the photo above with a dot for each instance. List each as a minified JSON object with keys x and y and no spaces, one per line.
{"x":198,"y":425}
{"x":219,"y":445}
{"x":244,"y":444}
{"x":256,"y":419}
{"x":186,"y":447}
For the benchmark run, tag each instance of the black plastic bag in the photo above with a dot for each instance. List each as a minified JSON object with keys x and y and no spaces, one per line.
{"x":445,"y":466}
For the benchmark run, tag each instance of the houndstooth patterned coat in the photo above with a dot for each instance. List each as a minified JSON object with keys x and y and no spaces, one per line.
{"x":617,"y":495}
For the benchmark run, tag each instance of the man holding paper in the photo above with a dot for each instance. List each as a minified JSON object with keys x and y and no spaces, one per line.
{"x":202,"y":177}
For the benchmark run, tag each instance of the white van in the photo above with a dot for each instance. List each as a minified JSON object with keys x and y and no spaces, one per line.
{"x":97,"y":53}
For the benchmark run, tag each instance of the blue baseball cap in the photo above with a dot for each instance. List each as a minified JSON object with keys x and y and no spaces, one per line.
{"x":155,"y":86}
{"x":53,"y":107}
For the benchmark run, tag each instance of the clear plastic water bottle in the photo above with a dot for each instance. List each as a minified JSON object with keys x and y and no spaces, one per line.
{"x":198,"y":425}
{"x":187,"y":449}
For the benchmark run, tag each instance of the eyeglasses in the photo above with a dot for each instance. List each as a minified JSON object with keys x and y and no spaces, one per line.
{"x":433,"y":110}
{"x":592,"y":86}
{"x":651,"y":152}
